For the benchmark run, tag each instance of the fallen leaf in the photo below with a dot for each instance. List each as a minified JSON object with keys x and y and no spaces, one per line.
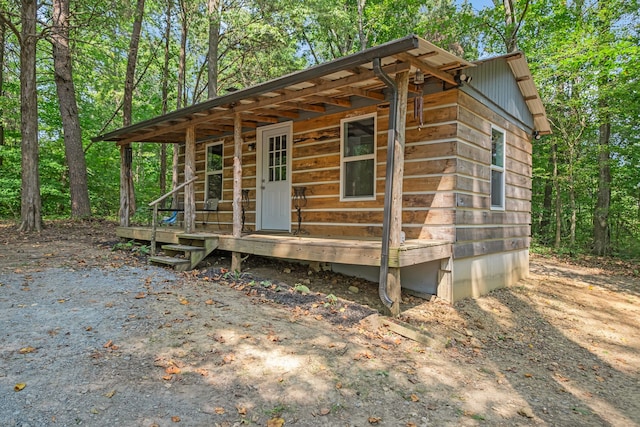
{"x":339,"y":386}
{"x":273,"y":338}
{"x":110,"y":394}
{"x":175,"y":419}
{"x":108,"y":344}
{"x":528,"y":375}
{"x":241,"y":410}
{"x":374,"y":420}
{"x":167,"y":377}
{"x":172,"y":370}
{"x":61,"y":301}
{"x":275,"y":422}
{"x":184,"y":301}
{"x":19,"y":387}
{"x":325,"y":411}
{"x":94,"y":411}
{"x":25,"y":350}
{"x":410,"y":424}
{"x":415,"y":398}
{"x":219,"y":410}
{"x":203,"y":372}
{"x":88,"y":328}
{"x":209,"y":302}
{"x":141,"y":295}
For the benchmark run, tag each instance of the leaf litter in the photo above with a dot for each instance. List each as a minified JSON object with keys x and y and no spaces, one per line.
{"x":263,"y":345}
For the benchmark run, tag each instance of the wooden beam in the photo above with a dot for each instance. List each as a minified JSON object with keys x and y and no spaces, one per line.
{"x":426,"y":68}
{"x":267,"y":101}
{"x":340,"y":102}
{"x":236,"y":257}
{"x":364,"y":93}
{"x":190,"y":173}
{"x":395,"y":239}
{"x":305,"y":106}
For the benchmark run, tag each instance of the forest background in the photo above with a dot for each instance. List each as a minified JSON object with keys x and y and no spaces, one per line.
{"x":73,"y":69}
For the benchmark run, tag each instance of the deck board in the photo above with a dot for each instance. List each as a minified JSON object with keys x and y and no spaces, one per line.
{"x":308,"y":248}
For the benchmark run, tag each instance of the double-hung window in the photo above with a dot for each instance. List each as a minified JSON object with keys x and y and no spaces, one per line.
{"x":215,"y":162}
{"x":358,"y":158}
{"x":497,"y":168}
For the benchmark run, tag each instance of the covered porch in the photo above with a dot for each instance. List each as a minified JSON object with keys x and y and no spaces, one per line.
{"x":284,"y":135}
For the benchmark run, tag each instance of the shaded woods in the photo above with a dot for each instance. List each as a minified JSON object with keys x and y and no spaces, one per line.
{"x":71,"y":70}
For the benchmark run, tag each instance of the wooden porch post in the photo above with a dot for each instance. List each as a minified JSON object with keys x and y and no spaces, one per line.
{"x":236,"y":257}
{"x":393,"y":276}
{"x":189,"y":173}
{"x":125,"y":184}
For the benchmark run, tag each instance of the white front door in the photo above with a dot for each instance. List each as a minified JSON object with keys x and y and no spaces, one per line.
{"x":274,"y":179}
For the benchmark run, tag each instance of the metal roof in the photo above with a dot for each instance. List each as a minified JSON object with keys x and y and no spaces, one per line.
{"x":337,"y":84}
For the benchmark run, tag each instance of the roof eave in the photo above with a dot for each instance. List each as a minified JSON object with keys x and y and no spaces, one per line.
{"x":387,"y":49}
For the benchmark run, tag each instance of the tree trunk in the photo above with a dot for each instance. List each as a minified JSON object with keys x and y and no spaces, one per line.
{"x":2,"y":35}
{"x":183,"y":54}
{"x":127,"y":101}
{"x":214,"y":41}
{"x":556,"y":186}
{"x":80,"y":205}
{"x":180,"y":102}
{"x":30,"y":213}
{"x":361,"y":34}
{"x":601,"y":232}
{"x":546,"y":210}
{"x":165,"y":98}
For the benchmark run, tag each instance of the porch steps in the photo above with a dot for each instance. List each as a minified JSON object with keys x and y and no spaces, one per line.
{"x":190,"y":250}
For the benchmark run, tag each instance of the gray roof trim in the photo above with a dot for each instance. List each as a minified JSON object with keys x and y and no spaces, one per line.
{"x":520,"y":68}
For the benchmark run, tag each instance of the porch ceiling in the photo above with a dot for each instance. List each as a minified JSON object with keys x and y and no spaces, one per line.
{"x":331,"y":87}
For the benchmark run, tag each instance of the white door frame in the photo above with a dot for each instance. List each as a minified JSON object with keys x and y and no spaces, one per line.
{"x":285,"y":126}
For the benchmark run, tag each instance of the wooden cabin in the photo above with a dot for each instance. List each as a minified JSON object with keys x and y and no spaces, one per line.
{"x":403,"y":164}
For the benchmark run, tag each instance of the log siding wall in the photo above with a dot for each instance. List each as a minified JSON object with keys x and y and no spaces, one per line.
{"x":479,"y":229}
{"x":446,"y":187}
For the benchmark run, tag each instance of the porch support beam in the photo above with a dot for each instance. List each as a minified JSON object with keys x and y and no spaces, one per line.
{"x":190,"y":173}
{"x":393,"y":276}
{"x":236,"y":257}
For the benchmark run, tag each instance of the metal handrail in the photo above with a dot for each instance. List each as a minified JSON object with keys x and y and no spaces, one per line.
{"x":155,"y":203}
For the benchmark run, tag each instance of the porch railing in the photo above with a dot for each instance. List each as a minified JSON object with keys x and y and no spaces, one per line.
{"x":154,"y":205}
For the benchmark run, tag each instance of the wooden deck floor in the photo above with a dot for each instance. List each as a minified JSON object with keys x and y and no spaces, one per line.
{"x":309,"y":248}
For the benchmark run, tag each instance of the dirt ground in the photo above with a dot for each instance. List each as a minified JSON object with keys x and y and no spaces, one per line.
{"x":95,"y":336}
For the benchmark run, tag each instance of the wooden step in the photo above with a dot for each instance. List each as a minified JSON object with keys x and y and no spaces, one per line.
{"x":182,"y":248}
{"x":179,"y":264}
{"x":198,"y":236}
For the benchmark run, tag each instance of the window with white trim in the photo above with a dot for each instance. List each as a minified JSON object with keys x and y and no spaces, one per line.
{"x":358,"y":158}
{"x":215,"y":164}
{"x":497,"y":168}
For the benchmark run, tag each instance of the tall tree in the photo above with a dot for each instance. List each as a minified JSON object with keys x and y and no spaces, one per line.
{"x":31,"y":202}
{"x":74,"y":153}
{"x":127,"y":193}
{"x":165,"y":94}
{"x":214,"y":43}
{"x":3,"y":30}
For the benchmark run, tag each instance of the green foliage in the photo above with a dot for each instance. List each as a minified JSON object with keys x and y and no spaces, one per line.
{"x":581,"y":54}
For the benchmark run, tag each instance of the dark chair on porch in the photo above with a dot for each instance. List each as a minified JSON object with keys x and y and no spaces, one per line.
{"x":211,"y":205}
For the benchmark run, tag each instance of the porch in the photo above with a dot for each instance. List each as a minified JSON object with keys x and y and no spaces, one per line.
{"x":354,"y":251}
